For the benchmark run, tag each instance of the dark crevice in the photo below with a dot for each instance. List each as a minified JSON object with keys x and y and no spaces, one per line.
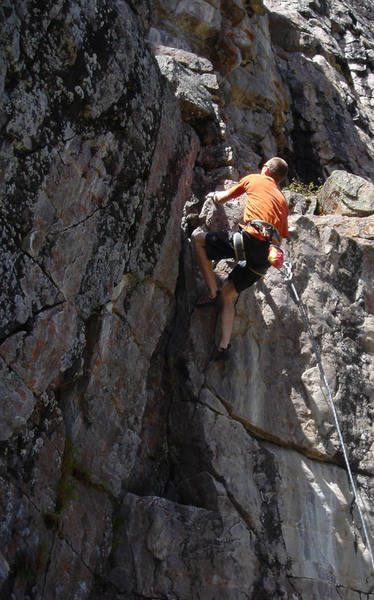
{"x":28,"y":326}
{"x":78,"y":223}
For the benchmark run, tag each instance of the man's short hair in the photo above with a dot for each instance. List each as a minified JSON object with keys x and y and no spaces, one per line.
{"x":278,"y":168}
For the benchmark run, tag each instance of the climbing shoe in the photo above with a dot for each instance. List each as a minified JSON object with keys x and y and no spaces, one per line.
{"x":222,"y":353}
{"x":207,"y":300}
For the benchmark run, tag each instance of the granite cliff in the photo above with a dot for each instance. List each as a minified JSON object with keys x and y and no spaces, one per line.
{"x":132,"y":465}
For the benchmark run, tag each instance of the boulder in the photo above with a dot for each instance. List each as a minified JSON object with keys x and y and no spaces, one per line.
{"x":299,"y":203}
{"x":347,"y":194}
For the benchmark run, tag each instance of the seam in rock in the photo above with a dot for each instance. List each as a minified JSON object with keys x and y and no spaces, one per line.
{"x":44,"y":271}
{"x":262,"y":435}
{"x":78,"y":223}
{"x":24,"y":326}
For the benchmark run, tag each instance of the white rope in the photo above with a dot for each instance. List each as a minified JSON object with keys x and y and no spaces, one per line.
{"x":287,"y":274}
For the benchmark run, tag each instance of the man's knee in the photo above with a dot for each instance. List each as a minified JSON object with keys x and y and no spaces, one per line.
{"x":198,"y":238}
{"x":228,"y":292}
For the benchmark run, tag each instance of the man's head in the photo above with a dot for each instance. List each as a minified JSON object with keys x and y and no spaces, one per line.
{"x":276,"y":168}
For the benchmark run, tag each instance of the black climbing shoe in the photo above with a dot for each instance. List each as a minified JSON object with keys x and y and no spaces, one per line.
{"x":222,"y":353}
{"x":207,"y":300}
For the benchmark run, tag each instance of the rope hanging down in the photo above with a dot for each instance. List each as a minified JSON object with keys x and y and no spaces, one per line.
{"x":287,"y":274}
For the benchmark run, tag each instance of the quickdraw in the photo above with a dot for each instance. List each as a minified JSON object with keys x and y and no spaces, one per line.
{"x":287,"y":270}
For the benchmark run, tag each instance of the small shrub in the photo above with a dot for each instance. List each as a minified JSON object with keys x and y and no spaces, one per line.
{"x":305,"y":189}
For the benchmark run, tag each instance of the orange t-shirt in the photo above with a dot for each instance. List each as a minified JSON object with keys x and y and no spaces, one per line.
{"x":264,"y":201}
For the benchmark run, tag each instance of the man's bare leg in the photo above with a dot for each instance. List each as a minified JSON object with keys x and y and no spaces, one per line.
{"x":204,"y":263}
{"x":229,"y":296}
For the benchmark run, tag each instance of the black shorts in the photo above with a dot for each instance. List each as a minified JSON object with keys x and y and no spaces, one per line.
{"x":219,"y":245}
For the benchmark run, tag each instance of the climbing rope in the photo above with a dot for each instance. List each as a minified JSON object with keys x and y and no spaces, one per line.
{"x":288,"y":276}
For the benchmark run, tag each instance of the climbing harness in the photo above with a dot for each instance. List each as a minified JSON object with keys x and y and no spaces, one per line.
{"x":275,"y":254}
{"x":288,"y":276}
{"x":270,"y":233}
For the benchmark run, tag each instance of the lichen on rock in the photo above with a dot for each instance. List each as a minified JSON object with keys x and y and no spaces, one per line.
{"x":132,"y":465}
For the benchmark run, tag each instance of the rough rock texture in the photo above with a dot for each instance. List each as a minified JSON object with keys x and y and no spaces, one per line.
{"x":296,"y":77}
{"x":347,"y":194}
{"x":132,"y":465}
{"x":96,"y":167}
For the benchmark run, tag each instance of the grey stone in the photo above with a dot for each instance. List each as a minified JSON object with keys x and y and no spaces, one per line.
{"x":17,"y":402}
{"x":4,"y":568}
{"x":299,"y":203}
{"x":347,"y":194}
{"x":195,"y":100}
{"x":205,"y":542}
{"x":131,"y":463}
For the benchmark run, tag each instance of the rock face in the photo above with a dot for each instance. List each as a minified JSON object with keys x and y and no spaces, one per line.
{"x":295,"y":78}
{"x":325,"y":51}
{"x":347,"y":194}
{"x":132,"y":465}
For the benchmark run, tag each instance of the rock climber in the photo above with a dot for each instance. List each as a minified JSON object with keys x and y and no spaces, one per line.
{"x":264,"y":225}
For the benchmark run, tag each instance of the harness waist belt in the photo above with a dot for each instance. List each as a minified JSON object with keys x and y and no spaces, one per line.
{"x":267,"y":230}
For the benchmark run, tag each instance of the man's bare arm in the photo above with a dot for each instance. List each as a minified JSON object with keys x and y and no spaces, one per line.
{"x":219,"y":197}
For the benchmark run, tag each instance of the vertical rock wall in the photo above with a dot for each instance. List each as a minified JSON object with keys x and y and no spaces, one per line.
{"x":325,"y":53}
{"x":295,"y":79}
{"x":95,"y":168}
{"x":131,"y":464}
